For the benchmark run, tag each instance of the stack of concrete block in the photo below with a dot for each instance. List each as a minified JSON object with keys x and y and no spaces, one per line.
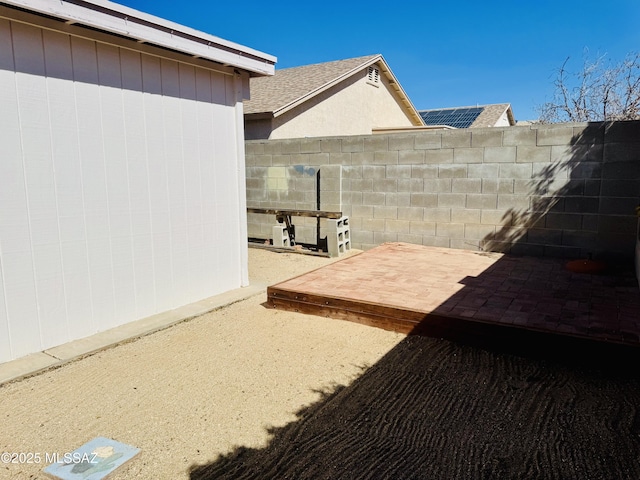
{"x":280,"y":236}
{"x":338,"y":236}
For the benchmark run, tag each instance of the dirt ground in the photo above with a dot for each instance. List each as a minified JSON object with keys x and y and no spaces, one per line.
{"x":195,"y":391}
{"x":247,"y":392}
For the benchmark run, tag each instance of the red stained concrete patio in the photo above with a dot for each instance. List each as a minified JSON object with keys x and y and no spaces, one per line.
{"x":408,"y":288}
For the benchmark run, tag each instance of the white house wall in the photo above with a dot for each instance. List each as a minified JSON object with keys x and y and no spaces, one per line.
{"x":354,"y":107}
{"x":120,"y":187}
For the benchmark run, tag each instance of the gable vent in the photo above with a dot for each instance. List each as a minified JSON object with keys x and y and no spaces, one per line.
{"x":373,"y":75}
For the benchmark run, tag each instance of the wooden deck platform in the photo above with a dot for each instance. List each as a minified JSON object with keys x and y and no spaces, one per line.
{"x":409,"y":288}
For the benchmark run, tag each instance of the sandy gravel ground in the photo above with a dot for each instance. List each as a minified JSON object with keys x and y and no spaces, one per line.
{"x":194,"y":391}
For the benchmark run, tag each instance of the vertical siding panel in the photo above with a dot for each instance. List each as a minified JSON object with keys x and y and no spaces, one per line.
{"x":91,"y":148}
{"x":109,"y":73}
{"x":206,"y":181}
{"x":14,"y":226}
{"x":68,"y":182}
{"x":173,"y":134}
{"x":27,"y":268}
{"x":193,"y":194}
{"x":67,"y":187}
{"x":135,"y":141}
{"x":158,"y":194}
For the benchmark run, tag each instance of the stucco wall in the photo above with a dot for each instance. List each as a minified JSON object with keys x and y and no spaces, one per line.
{"x":122,"y":186}
{"x":561,"y":190}
{"x":353,"y":107}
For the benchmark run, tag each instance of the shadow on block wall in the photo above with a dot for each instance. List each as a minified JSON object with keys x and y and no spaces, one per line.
{"x":582,"y":203}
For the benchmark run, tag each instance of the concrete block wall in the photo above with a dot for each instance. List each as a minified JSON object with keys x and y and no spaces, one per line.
{"x":554,"y":190}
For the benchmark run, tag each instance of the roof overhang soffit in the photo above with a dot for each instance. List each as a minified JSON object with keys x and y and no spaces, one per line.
{"x":143,"y":28}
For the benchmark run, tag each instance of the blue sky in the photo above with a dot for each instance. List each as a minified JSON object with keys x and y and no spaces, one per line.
{"x":444,"y":54}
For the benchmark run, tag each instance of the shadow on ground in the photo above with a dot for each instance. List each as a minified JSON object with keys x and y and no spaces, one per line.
{"x":481,"y":404}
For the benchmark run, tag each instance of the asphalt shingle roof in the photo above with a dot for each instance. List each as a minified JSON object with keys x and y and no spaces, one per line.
{"x":270,"y":94}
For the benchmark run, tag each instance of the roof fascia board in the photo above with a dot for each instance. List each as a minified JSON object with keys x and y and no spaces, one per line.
{"x":145,"y":28}
{"x":325,"y":87}
{"x":404,"y":98}
{"x":22,"y":16}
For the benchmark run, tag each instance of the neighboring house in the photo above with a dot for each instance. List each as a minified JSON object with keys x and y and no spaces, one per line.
{"x":122,"y":168}
{"x":495,"y":115}
{"x":345,"y":97}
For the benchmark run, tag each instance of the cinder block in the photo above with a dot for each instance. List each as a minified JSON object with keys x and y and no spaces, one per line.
{"x":401,"y":142}
{"x":410,"y":238}
{"x":310,"y":145}
{"x":486,"y":137}
{"x":456,"y":139}
{"x":452,"y":200}
{"x":414,"y":214}
{"x":479,"y":232}
{"x":424,"y":171}
{"x":468,"y":155}
{"x":466,"y":185}
{"x":385,"y":185}
{"x":437,"y":185}
{"x":525,"y":154}
{"x":381,"y":211}
{"x":465,"y":244}
{"x":563,"y":221}
{"x":422,"y":228}
{"x":411,"y":157}
{"x":374,"y":171}
{"x":484,"y":170}
{"x":428,"y":140}
{"x":625,"y":188}
{"x":438,"y":156}
{"x":452,"y":171}
{"x":523,"y":171}
{"x":317,"y":159}
{"x":499,"y":185}
{"x":544,"y":236}
{"x":254,"y":147}
{"x":352,"y":172}
{"x":518,"y":202}
{"x":495,"y":217}
{"x":582,"y":205}
{"x":554,"y":135}
{"x":589,"y":133}
{"x":373,"y":224}
{"x":500,"y":154}
{"x":331,"y":145}
{"x":373,"y":198}
{"x":291,"y":146}
{"x":361,"y":236}
{"x":622,"y":132}
{"x":362,"y":185}
{"x":424,"y":200}
{"x":340,"y":158}
{"x":338,"y":236}
{"x":397,"y":199}
{"x":385,"y":158}
{"x":398,"y":171}
{"x":362,"y":158}
{"x":592,"y":170}
{"x":362,"y":211}
{"x":352,"y":144}
{"x":411,"y":185}
{"x":482,"y":201}
{"x":437,"y":215}
{"x":280,"y":236}
{"x":465,"y":215}
{"x":618,"y":205}
{"x":450,"y":230}
{"x":376,"y":143}
{"x":384,"y":237}
{"x":397,"y":226}
{"x":433,"y":241}
{"x":516,"y":136}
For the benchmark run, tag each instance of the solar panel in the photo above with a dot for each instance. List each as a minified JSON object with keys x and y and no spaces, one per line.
{"x":453,"y":117}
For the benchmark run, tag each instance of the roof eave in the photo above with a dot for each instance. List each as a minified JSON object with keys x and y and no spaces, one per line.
{"x":144,"y":28}
{"x":285,"y":108}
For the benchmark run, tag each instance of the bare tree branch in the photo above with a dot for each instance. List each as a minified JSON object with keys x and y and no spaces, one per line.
{"x":600,"y":91}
